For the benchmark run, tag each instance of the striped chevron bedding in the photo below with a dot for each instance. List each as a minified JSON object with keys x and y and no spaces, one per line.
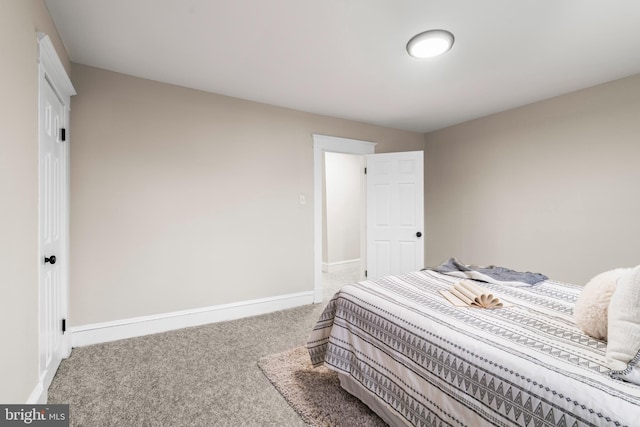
{"x":427,"y":362}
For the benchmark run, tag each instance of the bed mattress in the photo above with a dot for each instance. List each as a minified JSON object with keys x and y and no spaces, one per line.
{"x":398,"y":341}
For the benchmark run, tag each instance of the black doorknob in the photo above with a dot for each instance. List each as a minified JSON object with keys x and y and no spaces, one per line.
{"x":51,"y":259}
{"x":419,"y":234}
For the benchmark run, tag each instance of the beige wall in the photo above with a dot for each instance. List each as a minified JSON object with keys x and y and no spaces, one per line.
{"x":19,"y":22}
{"x":183,"y":199}
{"x":550,"y":187}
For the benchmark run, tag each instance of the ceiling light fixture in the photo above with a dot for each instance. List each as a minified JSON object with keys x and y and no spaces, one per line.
{"x":430,"y":43}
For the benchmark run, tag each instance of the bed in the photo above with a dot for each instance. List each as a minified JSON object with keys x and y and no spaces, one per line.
{"x":415,"y":359}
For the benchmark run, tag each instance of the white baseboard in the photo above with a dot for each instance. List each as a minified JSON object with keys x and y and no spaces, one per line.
{"x":332,"y":267}
{"x":38,"y":395}
{"x":97,"y":333}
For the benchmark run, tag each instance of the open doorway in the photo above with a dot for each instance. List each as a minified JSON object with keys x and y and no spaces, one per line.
{"x":343,"y":221}
{"x":328,"y":144}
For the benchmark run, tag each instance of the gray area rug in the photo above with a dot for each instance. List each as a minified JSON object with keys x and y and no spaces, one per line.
{"x":315,"y":393}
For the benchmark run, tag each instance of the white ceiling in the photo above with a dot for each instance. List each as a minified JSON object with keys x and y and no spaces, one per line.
{"x":347,"y":58}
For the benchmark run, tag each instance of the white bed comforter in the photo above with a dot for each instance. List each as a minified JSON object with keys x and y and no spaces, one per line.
{"x":434,"y":364}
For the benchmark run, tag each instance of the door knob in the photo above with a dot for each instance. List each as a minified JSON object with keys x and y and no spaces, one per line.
{"x":51,"y":259}
{"x":418,"y":234}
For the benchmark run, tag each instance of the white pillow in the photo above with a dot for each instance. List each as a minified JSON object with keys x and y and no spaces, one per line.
{"x":624,"y":321}
{"x":592,"y":307}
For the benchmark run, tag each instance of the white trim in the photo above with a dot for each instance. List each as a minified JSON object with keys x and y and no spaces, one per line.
{"x":97,"y":333}
{"x":321,"y":144}
{"x":38,"y":396}
{"x":336,"y":144}
{"x":54,"y":70}
{"x":332,"y":267}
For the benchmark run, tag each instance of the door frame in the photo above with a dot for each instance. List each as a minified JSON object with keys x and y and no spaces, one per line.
{"x":332,"y":144}
{"x":51,"y":72}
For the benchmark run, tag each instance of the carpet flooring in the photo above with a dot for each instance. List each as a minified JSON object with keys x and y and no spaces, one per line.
{"x":201,"y":376}
{"x":315,"y":393}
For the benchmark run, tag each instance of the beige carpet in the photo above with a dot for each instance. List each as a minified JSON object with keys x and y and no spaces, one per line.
{"x":315,"y":394}
{"x":205,"y":376}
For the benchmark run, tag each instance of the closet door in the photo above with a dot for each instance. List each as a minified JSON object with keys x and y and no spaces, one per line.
{"x":53,"y":202}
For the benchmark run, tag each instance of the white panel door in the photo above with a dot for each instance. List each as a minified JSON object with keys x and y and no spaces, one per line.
{"x":395,"y":213}
{"x":53,"y":187}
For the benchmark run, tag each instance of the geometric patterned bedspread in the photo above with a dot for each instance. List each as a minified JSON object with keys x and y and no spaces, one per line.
{"x":435,"y":364}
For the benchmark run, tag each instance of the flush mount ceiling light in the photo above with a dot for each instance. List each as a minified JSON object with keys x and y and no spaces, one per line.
{"x":430,"y":43}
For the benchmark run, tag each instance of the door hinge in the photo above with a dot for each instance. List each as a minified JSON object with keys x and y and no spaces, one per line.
{"x":365,"y":273}
{"x":64,"y":325}
{"x":365,"y":171}
{"x":63,"y":134}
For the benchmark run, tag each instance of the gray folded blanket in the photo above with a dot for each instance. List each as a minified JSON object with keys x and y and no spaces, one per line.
{"x":490,"y":274}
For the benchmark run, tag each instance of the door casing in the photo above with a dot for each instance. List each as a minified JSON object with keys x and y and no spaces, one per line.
{"x":332,"y":144}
